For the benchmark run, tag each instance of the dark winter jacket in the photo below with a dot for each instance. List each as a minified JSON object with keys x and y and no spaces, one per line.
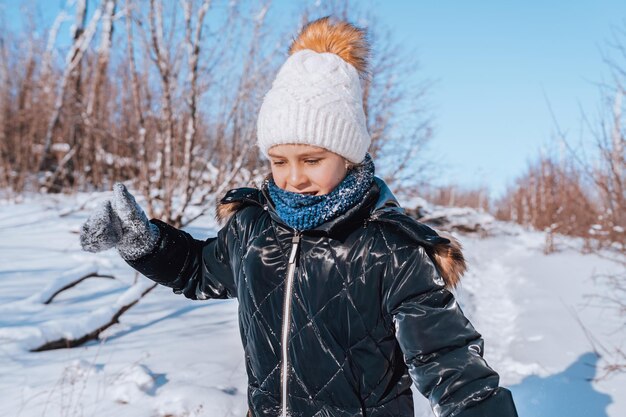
{"x":364,"y":303}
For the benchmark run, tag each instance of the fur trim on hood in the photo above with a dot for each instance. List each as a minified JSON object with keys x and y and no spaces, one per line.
{"x":449,"y":260}
{"x":224,"y":211}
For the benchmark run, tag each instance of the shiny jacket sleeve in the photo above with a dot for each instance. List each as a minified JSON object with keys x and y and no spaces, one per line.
{"x":442,"y":350}
{"x":198,"y":269}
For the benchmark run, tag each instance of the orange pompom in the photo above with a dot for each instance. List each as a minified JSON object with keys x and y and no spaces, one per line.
{"x":340,"y":38}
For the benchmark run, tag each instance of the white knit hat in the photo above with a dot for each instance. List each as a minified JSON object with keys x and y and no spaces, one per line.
{"x":316,"y":99}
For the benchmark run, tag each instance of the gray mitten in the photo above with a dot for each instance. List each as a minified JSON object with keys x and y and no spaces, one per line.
{"x":102,"y":230}
{"x":139,"y":236}
{"x":120,"y":223}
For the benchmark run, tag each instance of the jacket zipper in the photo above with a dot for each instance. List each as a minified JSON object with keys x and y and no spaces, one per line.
{"x":291,"y":269}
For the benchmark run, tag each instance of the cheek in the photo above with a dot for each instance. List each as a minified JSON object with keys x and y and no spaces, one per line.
{"x":279,"y":177}
{"x":329,"y":177}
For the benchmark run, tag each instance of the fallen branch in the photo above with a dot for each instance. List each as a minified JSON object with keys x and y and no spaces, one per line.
{"x":73,"y":284}
{"x":90,"y":327}
{"x":66,"y":280}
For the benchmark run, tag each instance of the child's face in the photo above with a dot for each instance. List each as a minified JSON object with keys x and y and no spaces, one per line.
{"x":306,"y":169}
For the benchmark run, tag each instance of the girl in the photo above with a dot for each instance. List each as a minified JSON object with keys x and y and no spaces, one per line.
{"x":343,"y":300}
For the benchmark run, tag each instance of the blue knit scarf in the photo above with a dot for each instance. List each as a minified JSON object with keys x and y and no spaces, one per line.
{"x":302,"y":212}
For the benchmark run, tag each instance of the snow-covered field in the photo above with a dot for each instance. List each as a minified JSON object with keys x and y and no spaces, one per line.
{"x":170,"y":356}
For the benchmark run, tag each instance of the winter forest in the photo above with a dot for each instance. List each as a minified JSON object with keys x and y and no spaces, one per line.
{"x":163,"y":96}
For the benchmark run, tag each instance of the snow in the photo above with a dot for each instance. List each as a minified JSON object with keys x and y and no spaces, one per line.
{"x":169,"y":356}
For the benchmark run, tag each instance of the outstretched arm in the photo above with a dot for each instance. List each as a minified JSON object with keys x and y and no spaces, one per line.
{"x":198,"y":269}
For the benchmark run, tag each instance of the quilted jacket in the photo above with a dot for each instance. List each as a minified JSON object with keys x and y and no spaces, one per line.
{"x":339,"y":320}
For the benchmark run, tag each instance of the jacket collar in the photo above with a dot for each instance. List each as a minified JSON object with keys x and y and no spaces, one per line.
{"x":386,"y":199}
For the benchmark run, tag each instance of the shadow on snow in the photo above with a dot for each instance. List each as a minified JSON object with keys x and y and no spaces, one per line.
{"x":568,"y":393}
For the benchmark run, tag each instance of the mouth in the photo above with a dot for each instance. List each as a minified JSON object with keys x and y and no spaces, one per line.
{"x":309,"y":193}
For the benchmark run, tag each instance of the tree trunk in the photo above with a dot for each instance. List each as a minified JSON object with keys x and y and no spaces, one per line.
{"x":94,"y":120}
{"x":72,"y":74}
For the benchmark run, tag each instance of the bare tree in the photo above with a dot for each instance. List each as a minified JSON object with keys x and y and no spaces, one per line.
{"x":610,"y":173}
{"x":19,"y":105}
{"x":4,"y":112}
{"x":186,"y":143}
{"x":550,"y":196}
{"x":92,"y":117}
{"x":192,"y":44}
{"x":139,"y":122}
{"x":82,"y":37}
{"x":165,"y":66}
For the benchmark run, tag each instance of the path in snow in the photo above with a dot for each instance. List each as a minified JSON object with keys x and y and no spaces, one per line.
{"x":527,"y":306}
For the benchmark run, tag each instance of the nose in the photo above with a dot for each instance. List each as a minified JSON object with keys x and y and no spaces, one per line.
{"x":297,"y":177}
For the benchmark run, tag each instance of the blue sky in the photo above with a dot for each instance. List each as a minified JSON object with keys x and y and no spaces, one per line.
{"x":495,"y":65}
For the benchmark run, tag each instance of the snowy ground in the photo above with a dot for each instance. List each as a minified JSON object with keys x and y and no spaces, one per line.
{"x":170,"y":356}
